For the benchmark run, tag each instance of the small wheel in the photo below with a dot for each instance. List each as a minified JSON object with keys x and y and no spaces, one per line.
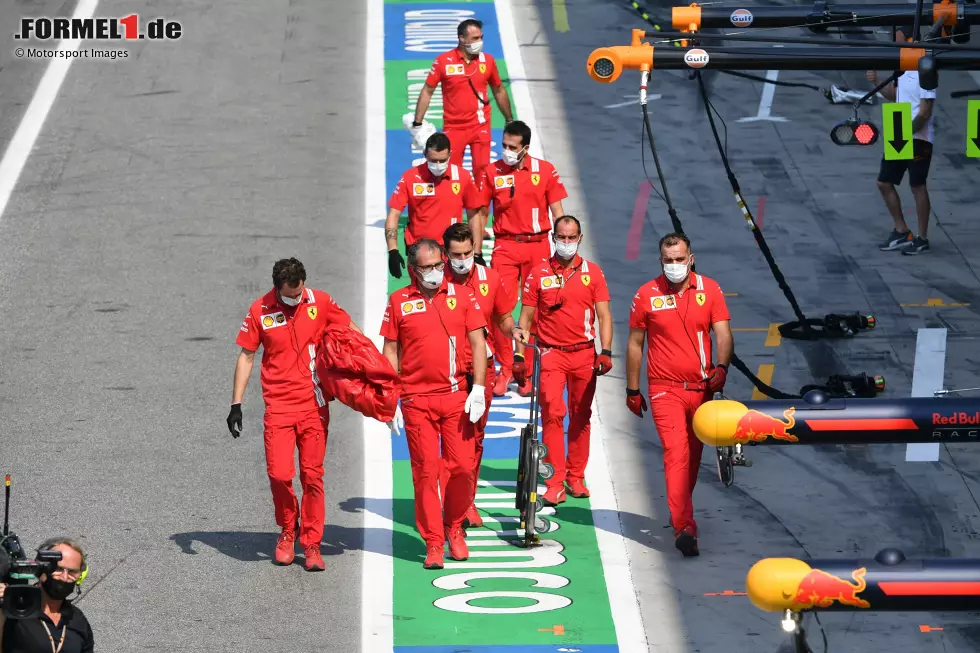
{"x":546,"y":471}
{"x":541,"y":525}
{"x":542,"y":451}
{"x":726,"y":471}
{"x":538,"y":505}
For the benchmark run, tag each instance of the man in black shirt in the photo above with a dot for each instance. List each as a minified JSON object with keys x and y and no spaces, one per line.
{"x":62,"y":627}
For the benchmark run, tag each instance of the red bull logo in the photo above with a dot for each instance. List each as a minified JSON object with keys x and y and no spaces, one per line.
{"x":755,"y":426}
{"x":818,"y":589}
{"x":956,"y":418}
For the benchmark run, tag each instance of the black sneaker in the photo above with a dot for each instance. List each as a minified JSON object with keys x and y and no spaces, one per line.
{"x":918,"y":246}
{"x":896,"y":240}
{"x":687,"y":544}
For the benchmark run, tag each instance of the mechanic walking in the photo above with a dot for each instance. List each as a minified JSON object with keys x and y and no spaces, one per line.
{"x":288,"y":322}
{"x":891,"y":173}
{"x":522,"y":190}
{"x":566,"y":293}
{"x":497,"y":310}
{"x":674,"y":313}
{"x":465,"y":72}
{"x":433,"y":331}
{"x":435,"y":192}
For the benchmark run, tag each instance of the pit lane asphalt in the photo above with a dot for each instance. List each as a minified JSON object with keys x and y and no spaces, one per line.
{"x":823,"y":220}
{"x":160,"y":192}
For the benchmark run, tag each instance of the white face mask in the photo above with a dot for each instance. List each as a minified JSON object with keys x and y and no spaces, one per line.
{"x":438,"y":169}
{"x":511,"y":158}
{"x":676,"y":272}
{"x":289,"y":301}
{"x":462,"y":266}
{"x":474,"y":48}
{"x":565,"y":250}
{"x":431,"y":279}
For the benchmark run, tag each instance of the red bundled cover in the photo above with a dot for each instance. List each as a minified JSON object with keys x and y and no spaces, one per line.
{"x":352,"y":370}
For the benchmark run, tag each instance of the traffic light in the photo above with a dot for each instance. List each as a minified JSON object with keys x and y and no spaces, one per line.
{"x":854,"y":132}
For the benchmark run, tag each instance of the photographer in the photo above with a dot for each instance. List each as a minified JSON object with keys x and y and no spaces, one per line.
{"x":61,"y":628}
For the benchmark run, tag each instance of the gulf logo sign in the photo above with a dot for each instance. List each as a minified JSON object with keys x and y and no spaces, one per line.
{"x":741,"y":18}
{"x":696,"y":58}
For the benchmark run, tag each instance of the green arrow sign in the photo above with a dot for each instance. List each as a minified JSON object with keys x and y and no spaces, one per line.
{"x":896,"y":122}
{"x":973,"y":129}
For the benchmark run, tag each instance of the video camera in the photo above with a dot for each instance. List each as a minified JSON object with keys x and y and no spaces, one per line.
{"x":22,"y":597}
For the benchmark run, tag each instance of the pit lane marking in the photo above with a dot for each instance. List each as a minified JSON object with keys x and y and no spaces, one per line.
{"x":764,"y":373}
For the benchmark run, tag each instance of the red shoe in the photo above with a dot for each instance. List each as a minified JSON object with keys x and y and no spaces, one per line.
{"x":500,"y":385}
{"x":314,"y":561}
{"x":472,"y":519}
{"x":433,"y":557}
{"x":524,"y":390}
{"x":554,"y":495}
{"x":286,"y":547}
{"x":576,"y":487}
{"x":457,"y":544}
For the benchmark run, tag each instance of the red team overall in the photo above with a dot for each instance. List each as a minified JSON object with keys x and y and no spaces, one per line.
{"x":674,"y":314}
{"x":522,"y":190}
{"x":435,"y":192}
{"x":566,"y":294}
{"x":465,"y":73}
{"x":288,"y":322}
{"x":497,"y":311}
{"x":433,"y":332}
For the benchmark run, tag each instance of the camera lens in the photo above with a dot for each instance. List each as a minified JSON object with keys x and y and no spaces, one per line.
{"x":603,"y":68}
{"x":21,"y":602}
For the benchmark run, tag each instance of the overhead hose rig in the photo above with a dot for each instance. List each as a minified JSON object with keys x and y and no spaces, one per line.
{"x":606,"y":65}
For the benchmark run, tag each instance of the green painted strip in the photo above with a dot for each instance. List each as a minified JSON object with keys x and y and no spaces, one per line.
{"x":896,"y":123}
{"x":426,"y":614}
{"x":973,"y":129}
{"x":437,"y":2}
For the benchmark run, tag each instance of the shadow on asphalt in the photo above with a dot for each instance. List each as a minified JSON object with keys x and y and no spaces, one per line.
{"x":256,"y":547}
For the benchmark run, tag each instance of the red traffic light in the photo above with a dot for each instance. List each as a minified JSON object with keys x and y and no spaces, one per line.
{"x":854,"y":132}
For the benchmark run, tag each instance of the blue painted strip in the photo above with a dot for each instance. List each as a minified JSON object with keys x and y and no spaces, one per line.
{"x":549,"y":648}
{"x":421,"y":32}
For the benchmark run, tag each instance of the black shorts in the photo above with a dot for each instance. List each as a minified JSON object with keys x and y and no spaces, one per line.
{"x":892,"y":171}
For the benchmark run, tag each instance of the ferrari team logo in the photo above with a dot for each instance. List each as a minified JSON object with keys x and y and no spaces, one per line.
{"x":483,"y":68}
{"x":484,"y":289}
{"x":586,"y":279}
{"x":535,"y":178}
{"x":699,"y":298}
{"x":451,"y":303}
{"x":311,"y":311}
{"x":456,"y":187}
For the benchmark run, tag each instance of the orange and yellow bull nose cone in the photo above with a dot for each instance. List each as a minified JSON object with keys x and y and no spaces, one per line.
{"x":715,"y":422}
{"x":773,"y":584}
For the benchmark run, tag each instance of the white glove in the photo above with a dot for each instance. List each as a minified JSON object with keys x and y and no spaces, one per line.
{"x":397,"y":422}
{"x":476,"y":403}
{"x":421,"y":133}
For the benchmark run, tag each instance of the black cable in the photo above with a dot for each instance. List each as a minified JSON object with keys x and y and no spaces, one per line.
{"x":675,"y":222}
{"x":756,"y":78}
{"x":756,"y":232}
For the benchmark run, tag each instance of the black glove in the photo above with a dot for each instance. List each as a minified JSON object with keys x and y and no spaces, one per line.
{"x":235,"y":420}
{"x":395,"y":263}
{"x":479,"y":259}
